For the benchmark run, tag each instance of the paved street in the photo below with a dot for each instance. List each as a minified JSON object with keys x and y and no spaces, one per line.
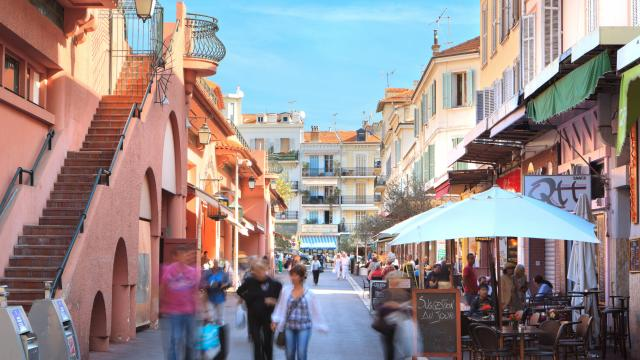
{"x":349,"y":322}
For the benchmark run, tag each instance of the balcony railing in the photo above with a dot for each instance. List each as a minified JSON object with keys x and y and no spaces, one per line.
{"x":201,"y":39}
{"x":356,"y":171}
{"x":347,"y":227}
{"x":287,"y":215}
{"x":319,"y":172}
{"x":380,"y":181}
{"x":320,"y":200}
{"x":356,"y":199}
{"x":274,"y":167}
{"x":209,"y":91}
{"x":284,"y":156}
{"x":295,"y":185}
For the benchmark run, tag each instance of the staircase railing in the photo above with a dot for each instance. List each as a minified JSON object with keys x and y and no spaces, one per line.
{"x":17,"y":177}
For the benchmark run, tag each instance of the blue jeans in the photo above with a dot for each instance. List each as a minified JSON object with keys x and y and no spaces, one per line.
{"x":297,"y":341}
{"x":181,"y":337}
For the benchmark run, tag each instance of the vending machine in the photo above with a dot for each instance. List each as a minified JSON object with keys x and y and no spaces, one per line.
{"x":52,"y":324}
{"x":17,"y":340}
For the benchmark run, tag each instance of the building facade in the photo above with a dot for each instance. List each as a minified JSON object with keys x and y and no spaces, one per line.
{"x":339,"y":169}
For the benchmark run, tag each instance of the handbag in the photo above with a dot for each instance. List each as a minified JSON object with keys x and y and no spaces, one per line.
{"x":280,"y":338}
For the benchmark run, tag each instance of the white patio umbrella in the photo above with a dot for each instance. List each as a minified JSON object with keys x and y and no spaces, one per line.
{"x":410,"y":223}
{"x":582,"y":269}
{"x":499,"y":213}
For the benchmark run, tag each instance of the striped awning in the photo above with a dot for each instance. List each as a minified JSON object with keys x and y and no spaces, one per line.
{"x":318,"y":241}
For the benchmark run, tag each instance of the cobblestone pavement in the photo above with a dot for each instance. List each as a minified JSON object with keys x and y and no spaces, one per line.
{"x":341,"y":303}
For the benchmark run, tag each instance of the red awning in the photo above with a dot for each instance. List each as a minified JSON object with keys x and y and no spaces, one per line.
{"x":443,"y":189}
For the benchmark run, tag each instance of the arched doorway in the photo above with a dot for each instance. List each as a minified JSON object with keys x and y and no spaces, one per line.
{"x":98,"y":338}
{"x":143,"y":281}
{"x":172,"y":181}
{"x":120,"y":295}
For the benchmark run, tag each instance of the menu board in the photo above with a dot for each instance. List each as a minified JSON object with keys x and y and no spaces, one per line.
{"x":377,"y":293}
{"x":437,"y":313}
{"x":634,"y":255}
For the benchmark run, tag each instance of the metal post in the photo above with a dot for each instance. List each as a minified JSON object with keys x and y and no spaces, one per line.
{"x":235,"y":228}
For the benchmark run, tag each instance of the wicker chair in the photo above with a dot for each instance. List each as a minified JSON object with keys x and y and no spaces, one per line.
{"x":488,"y":343}
{"x":578,"y":344}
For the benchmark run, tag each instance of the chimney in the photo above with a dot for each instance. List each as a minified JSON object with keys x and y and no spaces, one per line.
{"x":315,"y":133}
{"x":435,"y":48}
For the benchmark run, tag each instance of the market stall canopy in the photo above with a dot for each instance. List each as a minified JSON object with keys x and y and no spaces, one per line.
{"x":318,"y":242}
{"x":498,"y":213}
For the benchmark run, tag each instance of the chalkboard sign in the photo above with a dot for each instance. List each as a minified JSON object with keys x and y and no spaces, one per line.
{"x":634,"y":255}
{"x":437,"y":313}
{"x":377,"y":293}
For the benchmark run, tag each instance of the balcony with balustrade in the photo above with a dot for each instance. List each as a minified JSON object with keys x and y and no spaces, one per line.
{"x":320,"y":200}
{"x":319,"y":172}
{"x":356,"y":171}
{"x":356,"y":199}
{"x":284,"y":156}
{"x":287,"y":216}
{"x":203,"y":49}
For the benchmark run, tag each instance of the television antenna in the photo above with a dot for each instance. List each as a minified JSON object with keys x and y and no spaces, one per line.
{"x":389,"y":74}
{"x":291,"y":102}
{"x":437,"y":22}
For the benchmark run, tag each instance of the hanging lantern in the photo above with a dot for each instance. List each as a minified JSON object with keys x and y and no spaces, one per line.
{"x":252,"y":183}
{"x":144,"y":9}
{"x":204,"y":134}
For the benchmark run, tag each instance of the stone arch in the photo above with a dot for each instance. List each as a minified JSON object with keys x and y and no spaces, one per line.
{"x":120,"y":295}
{"x":148,"y":252}
{"x":98,"y":337}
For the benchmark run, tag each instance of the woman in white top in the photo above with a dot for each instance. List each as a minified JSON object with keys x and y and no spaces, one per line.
{"x":315,"y":269}
{"x":296,"y":313}
{"x":346,"y":261}
{"x":337,"y":265}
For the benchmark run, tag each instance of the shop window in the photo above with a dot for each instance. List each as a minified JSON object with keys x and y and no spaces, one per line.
{"x":11,"y":74}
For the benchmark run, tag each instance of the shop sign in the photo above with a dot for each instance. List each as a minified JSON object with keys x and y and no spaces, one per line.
{"x":561,"y":191}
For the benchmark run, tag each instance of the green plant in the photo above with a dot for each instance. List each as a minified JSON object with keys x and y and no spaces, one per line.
{"x":283,"y":187}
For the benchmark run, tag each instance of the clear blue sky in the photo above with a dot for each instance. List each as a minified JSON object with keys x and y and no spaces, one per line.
{"x":330,"y":56}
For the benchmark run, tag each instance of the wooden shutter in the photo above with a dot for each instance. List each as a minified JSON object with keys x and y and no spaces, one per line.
{"x":416,"y":117}
{"x":424,"y":112}
{"x":446,"y":90}
{"x":528,"y":48}
{"x":479,"y":105}
{"x":494,"y":25}
{"x":635,"y":12}
{"x":432,"y":161}
{"x":470,"y":87}
{"x":551,"y":16}
{"x":484,"y":32}
{"x":489,"y":101}
{"x":497,"y":94}
{"x":428,"y":98}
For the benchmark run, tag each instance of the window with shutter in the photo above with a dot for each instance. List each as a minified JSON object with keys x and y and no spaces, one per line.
{"x":515,"y":12}
{"x":423,"y":119}
{"x":484,"y":33}
{"x":433,"y":98}
{"x":398,"y":154}
{"x":479,"y":105}
{"x":497,"y":94}
{"x":415,"y":121}
{"x":551,"y":16}
{"x":425,"y":166}
{"x":528,"y":48}
{"x":458,"y":165}
{"x":446,"y":90}
{"x":516,"y":77}
{"x":470,"y":87}
{"x":592,"y":15}
{"x":428,"y":98}
{"x":635,"y":12}
{"x":494,"y":25}
{"x":432,"y":161}
{"x":505,"y":19}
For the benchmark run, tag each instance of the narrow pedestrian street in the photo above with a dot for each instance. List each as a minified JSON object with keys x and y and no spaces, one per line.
{"x":349,"y":322}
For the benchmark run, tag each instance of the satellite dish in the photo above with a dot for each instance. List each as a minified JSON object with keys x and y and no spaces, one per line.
{"x":303,"y":115}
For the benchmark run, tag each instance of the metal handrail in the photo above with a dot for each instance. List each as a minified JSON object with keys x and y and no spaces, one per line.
{"x":201,"y":38}
{"x":46,"y":145}
{"x":79,"y":229}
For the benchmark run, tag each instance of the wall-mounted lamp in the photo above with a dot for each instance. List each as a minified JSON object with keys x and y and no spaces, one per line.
{"x":252,"y":183}
{"x":204,"y":134}
{"x":144,"y":9}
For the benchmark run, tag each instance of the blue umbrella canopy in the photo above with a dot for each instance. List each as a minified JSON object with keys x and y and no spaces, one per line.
{"x":498,"y":213}
{"x":410,"y":222}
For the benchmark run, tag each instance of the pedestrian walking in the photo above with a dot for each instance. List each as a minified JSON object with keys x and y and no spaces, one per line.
{"x":470,"y":279}
{"x":315,"y":269}
{"x":508,"y":297}
{"x":296,"y":313}
{"x":214,"y":282}
{"x":337,"y":265}
{"x":260,"y":294}
{"x":178,"y":293}
{"x":521,"y":285}
{"x":345,"y":261}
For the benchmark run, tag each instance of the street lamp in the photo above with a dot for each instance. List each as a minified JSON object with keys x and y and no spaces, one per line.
{"x":144,"y":9}
{"x":204,"y":134}
{"x":252,"y":183}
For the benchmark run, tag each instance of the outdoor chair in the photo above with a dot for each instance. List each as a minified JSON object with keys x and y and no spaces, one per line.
{"x":578,"y":344}
{"x":534,"y":319}
{"x":488,"y":343}
{"x":549,"y":344}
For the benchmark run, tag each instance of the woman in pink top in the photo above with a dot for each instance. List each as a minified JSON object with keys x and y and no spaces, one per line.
{"x":178,"y":295}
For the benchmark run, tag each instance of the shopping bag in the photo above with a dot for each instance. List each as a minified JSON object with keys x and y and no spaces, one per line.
{"x":208,"y":338}
{"x":241,"y":318}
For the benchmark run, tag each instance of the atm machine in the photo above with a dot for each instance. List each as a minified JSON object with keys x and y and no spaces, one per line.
{"x":17,"y":340}
{"x":52,"y":323}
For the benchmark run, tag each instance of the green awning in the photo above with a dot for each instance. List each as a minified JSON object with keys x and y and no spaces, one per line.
{"x":628,"y":112}
{"x":569,"y":91}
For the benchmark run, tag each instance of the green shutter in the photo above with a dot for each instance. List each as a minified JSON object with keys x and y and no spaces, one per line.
{"x":470,"y":87}
{"x":424,"y":110}
{"x":446,"y":90}
{"x":415,"y":122}
{"x":432,"y":161}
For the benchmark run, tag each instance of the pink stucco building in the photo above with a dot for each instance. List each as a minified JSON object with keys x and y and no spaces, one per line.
{"x":96,"y":210}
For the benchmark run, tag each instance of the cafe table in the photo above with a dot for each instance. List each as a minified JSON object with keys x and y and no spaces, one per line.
{"x":520,"y":332}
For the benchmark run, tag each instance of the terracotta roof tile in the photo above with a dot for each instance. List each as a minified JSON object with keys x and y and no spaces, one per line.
{"x":249,"y":118}
{"x":466,"y":47}
{"x":334,"y":137}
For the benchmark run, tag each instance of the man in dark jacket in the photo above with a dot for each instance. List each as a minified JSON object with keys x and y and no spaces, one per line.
{"x":260,"y":293}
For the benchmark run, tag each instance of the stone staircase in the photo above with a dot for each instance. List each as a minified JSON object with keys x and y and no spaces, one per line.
{"x":40,"y":249}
